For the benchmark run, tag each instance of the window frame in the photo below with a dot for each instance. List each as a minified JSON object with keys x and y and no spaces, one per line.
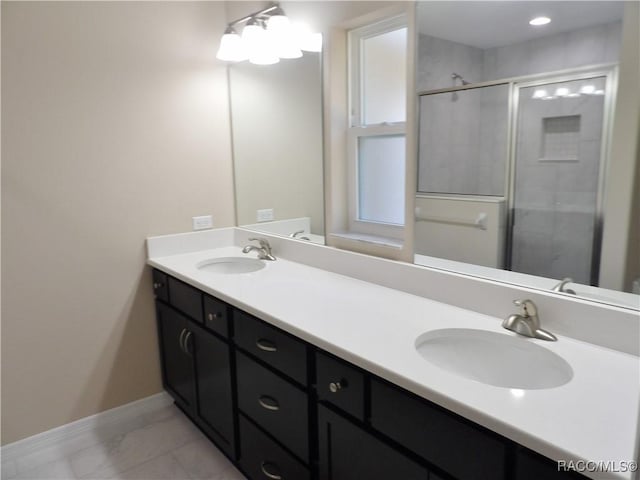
{"x":357,"y":129}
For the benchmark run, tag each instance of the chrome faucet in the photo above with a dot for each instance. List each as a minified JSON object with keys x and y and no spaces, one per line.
{"x":264,"y":250}
{"x":295,"y":235}
{"x":527,"y":323}
{"x":561,"y":286}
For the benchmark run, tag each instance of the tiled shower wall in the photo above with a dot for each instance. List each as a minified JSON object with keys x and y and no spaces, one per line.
{"x":465,"y":148}
{"x":461,"y":150}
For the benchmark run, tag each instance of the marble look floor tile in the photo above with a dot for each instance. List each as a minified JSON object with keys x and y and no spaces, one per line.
{"x":94,"y":437}
{"x":59,"y":469}
{"x":203,"y":461}
{"x":9,"y":469}
{"x":164,"y":467}
{"x":134,"y":448}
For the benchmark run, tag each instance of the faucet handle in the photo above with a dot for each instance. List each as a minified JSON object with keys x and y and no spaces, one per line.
{"x":264,"y":243}
{"x":529,"y":308}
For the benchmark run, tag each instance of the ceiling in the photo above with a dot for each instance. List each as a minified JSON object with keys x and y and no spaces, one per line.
{"x":487,"y":24}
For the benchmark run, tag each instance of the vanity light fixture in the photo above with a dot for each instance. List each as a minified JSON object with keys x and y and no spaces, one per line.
{"x":283,"y":36}
{"x":259,"y":43}
{"x":588,"y":89}
{"x":267,"y":36}
{"x":232,"y":47}
{"x":538,"y":21}
{"x":539,"y":94}
{"x":562,"y":92}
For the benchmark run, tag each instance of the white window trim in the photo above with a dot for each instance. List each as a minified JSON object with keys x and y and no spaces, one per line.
{"x":367,"y":226}
{"x":357,"y":129}
{"x":356,"y":38}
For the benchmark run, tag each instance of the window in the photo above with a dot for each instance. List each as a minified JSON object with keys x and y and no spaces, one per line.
{"x":377,"y":145}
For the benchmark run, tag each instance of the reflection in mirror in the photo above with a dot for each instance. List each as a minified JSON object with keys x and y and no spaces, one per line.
{"x":276,"y":117}
{"x":514,"y":132}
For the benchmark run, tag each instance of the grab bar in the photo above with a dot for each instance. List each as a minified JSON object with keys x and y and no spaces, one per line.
{"x":480,"y":221}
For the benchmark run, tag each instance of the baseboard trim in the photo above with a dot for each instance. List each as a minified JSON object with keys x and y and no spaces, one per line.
{"x":51,"y":437}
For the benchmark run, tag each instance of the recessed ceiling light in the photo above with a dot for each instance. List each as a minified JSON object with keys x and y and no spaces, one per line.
{"x":536,"y":22}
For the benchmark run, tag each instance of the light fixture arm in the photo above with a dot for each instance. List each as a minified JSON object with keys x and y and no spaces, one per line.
{"x":257,"y":14}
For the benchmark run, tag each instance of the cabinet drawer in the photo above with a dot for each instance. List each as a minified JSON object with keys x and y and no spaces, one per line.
{"x":216,"y":315}
{"x":273,"y":346}
{"x":274,"y":404}
{"x":160,"y":287}
{"x":185,"y":298}
{"x":263,"y":459}
{"x":530,"y":466}
{"x":340,"y":384}
{"x":458,"y":448}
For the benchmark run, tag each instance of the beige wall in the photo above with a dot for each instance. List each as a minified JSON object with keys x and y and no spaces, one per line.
{"x":115,"y":126}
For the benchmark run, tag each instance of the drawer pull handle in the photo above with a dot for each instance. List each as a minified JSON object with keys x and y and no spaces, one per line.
{"x":335,"y":387}
{"x":157,"y":285}
{"x":180,"y":341}
{"x":186,"y":343}
{"x":214,"y":316}
{"x":267,"y":473}
{"x":266,"y":345}
{"x":269,"y":403}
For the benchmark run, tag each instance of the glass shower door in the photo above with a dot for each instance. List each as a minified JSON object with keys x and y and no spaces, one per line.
{"x":556,"y":181}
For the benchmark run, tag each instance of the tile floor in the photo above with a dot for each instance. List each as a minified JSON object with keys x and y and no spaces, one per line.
{"x":160,"y":445}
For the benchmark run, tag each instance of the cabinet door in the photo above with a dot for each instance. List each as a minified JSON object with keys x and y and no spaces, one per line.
{"x":347,"y":452}
{"x":213,"y":379}
{"x":177,"y":364}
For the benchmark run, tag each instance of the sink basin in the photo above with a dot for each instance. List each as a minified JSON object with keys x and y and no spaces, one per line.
{"x":231,"y":265}
{"x":492,"y":358}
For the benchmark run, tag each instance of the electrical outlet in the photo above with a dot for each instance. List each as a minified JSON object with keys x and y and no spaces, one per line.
{"x":202,"y":222}
{"x":264,"y":215}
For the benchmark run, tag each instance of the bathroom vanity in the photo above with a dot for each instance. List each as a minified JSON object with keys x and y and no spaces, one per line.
{"x":299,"y":373}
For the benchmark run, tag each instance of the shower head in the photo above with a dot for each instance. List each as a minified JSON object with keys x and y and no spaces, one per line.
{"x":455,"y":76}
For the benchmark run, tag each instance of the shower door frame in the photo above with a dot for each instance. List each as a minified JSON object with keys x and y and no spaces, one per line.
{"x":607,"y":70}
{"x":610,"y":73}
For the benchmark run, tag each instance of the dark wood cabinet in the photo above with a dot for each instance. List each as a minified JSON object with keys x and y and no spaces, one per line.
{"x":275,"y":404}
{"x":212,"y":362}
{"x":196,"y":371}
{"x":347,"y":452}
{"x":177,"y":365}
{"x":282,"y":409}
{"x":278,"y":349}
{"x":263,"y":459}
{"x":340,"y":384}
{"x":438,"y":436}
{"x":186,"y":299}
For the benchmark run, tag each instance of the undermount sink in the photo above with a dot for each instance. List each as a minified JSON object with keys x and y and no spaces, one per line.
{"x":492,"y":358}
{"x":231,"y":265}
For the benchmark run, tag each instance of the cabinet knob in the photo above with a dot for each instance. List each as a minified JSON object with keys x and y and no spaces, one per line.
{"x":157,"y":285}
{"x":335,"y":387}
{"x":270,"y":474}
{"x":214,"y":316}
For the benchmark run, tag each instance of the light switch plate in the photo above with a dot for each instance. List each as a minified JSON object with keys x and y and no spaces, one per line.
{"x":202,"y":222}
{"x":264,"y":215}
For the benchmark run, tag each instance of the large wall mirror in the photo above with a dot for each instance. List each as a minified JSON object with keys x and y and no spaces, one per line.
{"x":276,"y":117}
{"x":515,"y":129}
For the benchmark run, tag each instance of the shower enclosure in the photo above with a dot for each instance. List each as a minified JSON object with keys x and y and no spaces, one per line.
{"x":536,"y":143}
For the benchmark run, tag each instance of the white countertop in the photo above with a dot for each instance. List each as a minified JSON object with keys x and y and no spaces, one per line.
{"x":594,"y":417}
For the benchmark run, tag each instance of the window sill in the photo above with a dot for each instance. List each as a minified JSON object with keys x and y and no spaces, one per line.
{"x":370,"y":239}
